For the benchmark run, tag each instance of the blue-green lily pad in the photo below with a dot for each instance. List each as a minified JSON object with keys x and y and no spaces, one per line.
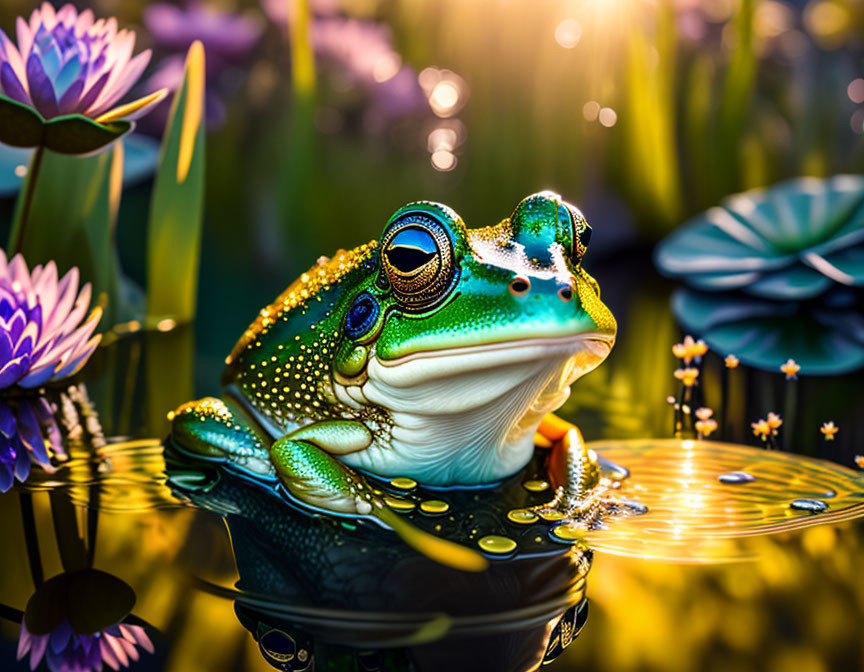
{"x":140,"y":156}
{"x":795,"y":240}
{"x":826,"y":337}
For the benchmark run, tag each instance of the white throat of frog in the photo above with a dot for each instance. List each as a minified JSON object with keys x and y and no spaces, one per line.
{"x":467,"y":416}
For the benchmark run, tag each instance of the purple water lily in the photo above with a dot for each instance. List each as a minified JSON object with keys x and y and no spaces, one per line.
{"x":41,"y":336}
{"x":69,"y":63}
{"x":226,"y":36}
{"x":25,"y":424}
{"x":42,"y":340}
{"x":65,"y":650}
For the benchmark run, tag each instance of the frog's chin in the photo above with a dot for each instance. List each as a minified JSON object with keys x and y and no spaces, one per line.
{"x":467,"y":416}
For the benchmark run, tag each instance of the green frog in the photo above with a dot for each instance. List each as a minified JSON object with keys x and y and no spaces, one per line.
{"x":433,"y":354}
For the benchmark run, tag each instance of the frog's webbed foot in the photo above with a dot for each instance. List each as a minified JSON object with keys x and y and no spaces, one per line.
{"x":221,"y":430}
{"x":582,"y":493}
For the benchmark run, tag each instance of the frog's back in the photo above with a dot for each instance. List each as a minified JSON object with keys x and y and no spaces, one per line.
{"x":282,"y":363}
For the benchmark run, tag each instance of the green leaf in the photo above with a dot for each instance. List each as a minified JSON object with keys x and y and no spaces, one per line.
{"x":76,"y":134}
{"x":97,"y":601}
{"x":176,"y":208}
{"x":20,"y":125}
{"x":89,"y":599}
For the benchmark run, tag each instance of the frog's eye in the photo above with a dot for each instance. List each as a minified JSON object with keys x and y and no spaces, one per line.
{"x":580,"y":232}
{"x":417,"y":257}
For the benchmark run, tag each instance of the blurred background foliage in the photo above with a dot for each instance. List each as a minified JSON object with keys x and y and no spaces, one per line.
{"x":643,"y":113}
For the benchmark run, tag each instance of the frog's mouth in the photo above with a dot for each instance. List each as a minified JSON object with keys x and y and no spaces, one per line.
{"x":594,"y":344}
{"x":467,"y":415}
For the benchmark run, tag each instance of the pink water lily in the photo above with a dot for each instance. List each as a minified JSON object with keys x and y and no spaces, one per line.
{"x":65,"y":650}
{"x":70,"y":63}
{"x":42,"y":338}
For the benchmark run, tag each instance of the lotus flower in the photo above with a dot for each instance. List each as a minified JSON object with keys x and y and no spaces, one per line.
{"x":24,"y":425}
{"x":226,"y":36}
{"x":796,"y":240}
{"x":41,"y":336}
{"x":65,"y":650}
{"x":77,"y":621}
{"x":69,"y":68}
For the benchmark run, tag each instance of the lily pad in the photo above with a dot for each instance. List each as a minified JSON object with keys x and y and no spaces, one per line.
{"x":22,"y":126}
{"x":795,"y":240}
{"x":825,"y":337}
{"x":89,"y":599}
{"x":140,"y":155}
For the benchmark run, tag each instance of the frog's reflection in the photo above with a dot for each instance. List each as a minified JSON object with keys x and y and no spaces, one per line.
{"x":320,"y":593}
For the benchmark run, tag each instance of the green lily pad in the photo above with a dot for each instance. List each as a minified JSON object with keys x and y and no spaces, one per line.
{"x":76,"y":134}
{"x":825,"y":337}
{"x":20,"y":125}
{"x":795,"y":240}
{"x":91,"y":600}
{"x":46,"y":608}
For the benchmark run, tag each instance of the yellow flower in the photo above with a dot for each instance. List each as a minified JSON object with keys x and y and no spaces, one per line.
{"x":731,"y":361}
{"x":705,"y":427}
{"x":704,"y":413}
{"x":774,"y":421}
{"x":791,"y":369}
{"x":859,"y":460}
{"x":829,"y":429}
{"x":761,"y":429}
{"x":689,"y":349}
{"x":687,"y":376}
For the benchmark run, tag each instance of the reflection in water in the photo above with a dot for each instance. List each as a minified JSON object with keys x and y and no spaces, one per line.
{"x":346,"y":593}
{"x":694,"y":515}
{"x":79,"y":620}
{"x":316,"y":590}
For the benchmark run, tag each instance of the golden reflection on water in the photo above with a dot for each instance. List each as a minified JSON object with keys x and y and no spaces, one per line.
{"x":693,"y":517}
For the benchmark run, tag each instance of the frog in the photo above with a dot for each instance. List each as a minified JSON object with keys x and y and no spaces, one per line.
{"x":436,"y":353}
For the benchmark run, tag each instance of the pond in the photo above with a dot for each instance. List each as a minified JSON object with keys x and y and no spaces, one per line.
{"x":226,"y":576}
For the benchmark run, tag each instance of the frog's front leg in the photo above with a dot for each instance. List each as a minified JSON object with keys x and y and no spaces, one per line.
{"x":307,"y":469}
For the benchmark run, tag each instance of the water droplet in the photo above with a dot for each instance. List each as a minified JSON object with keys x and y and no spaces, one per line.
{"x":811,"y":505}
{"x":535,"y":485}
{"x":736,"y":478}
{"x":568,"y":532}
{"x":434,"y":506}
{"x":552,"y":515}
{"x":399,"y":504}
{"x":404,"y":483}
{"x":522,"y":516}
{"x":498,"y":545}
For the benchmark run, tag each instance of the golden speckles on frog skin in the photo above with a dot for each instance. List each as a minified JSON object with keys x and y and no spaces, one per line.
{"x":422,"y":350}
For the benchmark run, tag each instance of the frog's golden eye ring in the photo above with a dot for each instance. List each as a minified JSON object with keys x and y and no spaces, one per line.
{"x":565,"y":293}
{"x":417,"y":257}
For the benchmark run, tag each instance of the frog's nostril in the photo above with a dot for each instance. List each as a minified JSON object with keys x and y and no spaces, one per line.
{"x":565,"y":293}
{"x":519,"y":286}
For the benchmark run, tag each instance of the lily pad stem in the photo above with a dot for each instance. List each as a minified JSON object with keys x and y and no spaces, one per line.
{"x":17,"y":240}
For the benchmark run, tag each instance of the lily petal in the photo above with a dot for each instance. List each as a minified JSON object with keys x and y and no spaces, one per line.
{"x":135,"y":109}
